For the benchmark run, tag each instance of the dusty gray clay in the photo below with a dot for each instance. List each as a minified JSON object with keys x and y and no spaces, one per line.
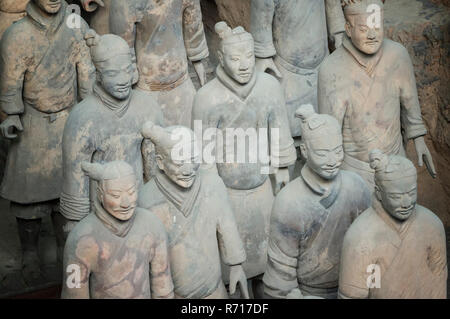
{"x":100,"y":14}
{"x":164,"y":35}
{"x":242,"y":98}
{"x":312,"y":213}
{"x":368,"y":84}
{"x":10,"y":12}
{"x":45,"y":67}
{"x":119,"y":250}
{"x":396,"y":249}
{"x":291,"y":39}
{"x":105,"y":126}
{"x":194,"y":207}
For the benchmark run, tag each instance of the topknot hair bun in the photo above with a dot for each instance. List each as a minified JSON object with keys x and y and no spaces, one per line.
{"x":222,"y":29}
{"x":92,"y":38}
{"x":378,"y":160}
{"x":305,"y":111}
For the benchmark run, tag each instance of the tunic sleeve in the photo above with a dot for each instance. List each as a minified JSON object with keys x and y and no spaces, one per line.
{"x":328,"y":101}
{"x":353,"y":273}
{"x":230,"y":244}
{"x":193,"y":31}
{"x":122,"y":22}
{"x":77,"y":268}
{"x":13,"y":65}
{"x":262,"y":13}
{"x":85,"y":69}
{"x":411,"y":116}
{"x":335,"y":17}
{"x":282,"y":149}
{"x":160,"y":275}
{"x":77,"y":148}
{"x":283,"y":251}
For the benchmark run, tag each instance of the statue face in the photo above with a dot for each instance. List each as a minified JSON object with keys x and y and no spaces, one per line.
{"x":119,"y":197}
{"x":367,"y":39}
{"x":324,"y":155}
{"x":398,"y":197}
{"x":116,"y":75}
{"x":49,"y":6}
{"x":181,"y":171}
{"x":238,"y":61}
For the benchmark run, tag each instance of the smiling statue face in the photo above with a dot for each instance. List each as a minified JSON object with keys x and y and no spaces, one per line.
{"x":398,"y":197}
{"x":366,"y":37}
{"x":324,"y":155}
{"x":49,"y":6}
{"x":119,"y":197}
{"x":238,"y":61}
{"x":182,"y":170}
{"x":116,"y":75}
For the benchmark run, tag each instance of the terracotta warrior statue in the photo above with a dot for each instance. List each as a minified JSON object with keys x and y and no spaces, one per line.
{"x":164,"y":35}
{"x":100,"y":14}
{"x":10,"y":12}
{"x":119,"y":250}
{"x":194,"y":207}
{"x":45,"y":68}
{"x":396,"y":249}
{"x":291,"y":40}
{"x":368,"y":84}
{"x":312,"y":213}
{"x":241,"y":99}
{"x":105,"y":126}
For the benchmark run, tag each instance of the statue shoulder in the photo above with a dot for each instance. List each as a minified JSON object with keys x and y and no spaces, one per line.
{"x":431,"y":219}
{"x":148,"y":220}
{"x":362,"y":229}
{"x":150,"y":195}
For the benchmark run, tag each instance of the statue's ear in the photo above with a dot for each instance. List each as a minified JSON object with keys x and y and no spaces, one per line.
{"x":221,"y":58}
{"x":160,"y":162}
{"x":377,"y":192}
{"x":304,"y":150}
{"x":348,"y":28}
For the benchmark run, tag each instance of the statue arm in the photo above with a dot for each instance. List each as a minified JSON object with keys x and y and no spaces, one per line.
{"x":122,"y":22}
{"x":411,"y":114}
{"x":76,"y":272}
{"x":193,"y":31}
{"x":262,"y":13}
{"x":328,"y":100}
{"x":335,"y":21}
{"x":85,"y":69}
{"x":280,"y":277}
{"x":12,"y":72}
{"x":77,"y":148}
{"x":160,"y":275}
{"x":231,"y":246}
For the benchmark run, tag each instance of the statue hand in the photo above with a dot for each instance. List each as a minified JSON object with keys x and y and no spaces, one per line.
{"x":281,"y":179}
{"x":295,"y":294}
{"x":265,"y":64}
{"x":237,"y":275}
{"x":423,"y":154}
{"x":12,"y":122}
{"x":91,"y":5}
{"x":200,"y":70}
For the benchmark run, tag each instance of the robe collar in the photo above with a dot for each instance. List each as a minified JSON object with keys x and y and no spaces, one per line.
{"x":328,"y":196}
{"x":366,"y":61}
{"x":119,"y":107}
{"x":117,"y":227}
{"x":399,"y":227}
{"x":49,"y":25}
{"x":183,"y":199}
{"x":242,"y":91}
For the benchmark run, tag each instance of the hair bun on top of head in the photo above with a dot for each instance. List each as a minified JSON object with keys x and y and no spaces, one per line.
{"x":223,"y":30}
{"x":92,"y":38}
{"x":378,"y":160}
{"x":305,"y":112}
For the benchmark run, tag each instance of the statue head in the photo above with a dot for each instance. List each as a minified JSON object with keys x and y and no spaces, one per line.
{"x":177,"y":152}
{"x":111,"y":56}
{"x":49,"y":6}
{"x":236,"y":53}
{"x":117,"y":187}
{"x":364,"y":24}
{"x":395,"y":184}
{"x":321,"y":144}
